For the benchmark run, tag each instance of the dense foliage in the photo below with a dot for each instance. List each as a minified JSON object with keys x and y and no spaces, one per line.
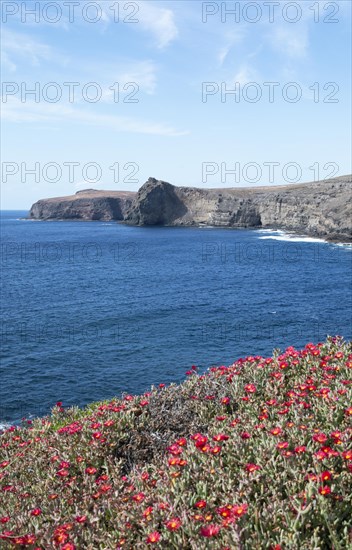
{"x":252,"y":456}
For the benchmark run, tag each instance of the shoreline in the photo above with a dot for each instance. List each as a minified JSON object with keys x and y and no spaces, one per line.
{"x":295,"y":233}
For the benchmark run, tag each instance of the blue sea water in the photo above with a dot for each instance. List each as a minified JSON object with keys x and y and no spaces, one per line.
{"x":94,"y":309}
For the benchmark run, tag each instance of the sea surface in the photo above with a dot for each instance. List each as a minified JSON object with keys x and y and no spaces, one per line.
{"x":91,"y":309}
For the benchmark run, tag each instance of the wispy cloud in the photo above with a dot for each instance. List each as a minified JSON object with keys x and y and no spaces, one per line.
{"x":20,"y":47}
{"x":159,"y":21}
{"x":30,"y":112}
{"x":231,"y":39}
{"x":246,"y":73}
{"x":292,"y":41}
{"x":143,"y":73}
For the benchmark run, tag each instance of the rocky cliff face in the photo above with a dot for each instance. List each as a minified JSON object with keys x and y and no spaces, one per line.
{"x":322,"y":209}
{"x":85,"y":205}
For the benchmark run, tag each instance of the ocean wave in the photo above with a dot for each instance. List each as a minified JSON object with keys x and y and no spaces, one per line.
{"x":293,"y":238}
{"x":279,"y":231}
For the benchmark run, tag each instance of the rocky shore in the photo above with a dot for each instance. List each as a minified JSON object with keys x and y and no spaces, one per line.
{"x":320,"y":209}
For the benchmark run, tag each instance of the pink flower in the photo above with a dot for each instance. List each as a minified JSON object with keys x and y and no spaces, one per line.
{"x":209,"y":530}
{"x":90,"y":470}
{"x":153,"y":537}
{"x":173,"y":524}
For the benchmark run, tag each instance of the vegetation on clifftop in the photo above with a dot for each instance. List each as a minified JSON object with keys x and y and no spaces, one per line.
{"x":256,"y":455}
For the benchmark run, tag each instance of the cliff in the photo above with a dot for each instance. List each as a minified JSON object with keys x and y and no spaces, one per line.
{"x":322,"y":209}
{"x":87,"y":205}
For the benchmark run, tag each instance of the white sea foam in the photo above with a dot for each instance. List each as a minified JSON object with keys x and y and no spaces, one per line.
{"x":346,"y":246}
{"x":293,"y":238}
{"x":268,"y":231}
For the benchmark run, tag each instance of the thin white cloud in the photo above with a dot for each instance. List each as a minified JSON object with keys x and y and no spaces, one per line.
{"x":245,"y":74}
{"x":30,"y":112}
{"x":143,"y":73}
{"x":231,"y":39}
{"x":159,"y":21}
{"x":291,"y":41}
{"x":20,"y":47}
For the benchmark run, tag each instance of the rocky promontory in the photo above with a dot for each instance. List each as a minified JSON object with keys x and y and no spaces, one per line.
{"x":321,"y":209}
{"x":88,"y":205}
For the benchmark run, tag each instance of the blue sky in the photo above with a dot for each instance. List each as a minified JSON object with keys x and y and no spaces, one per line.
{"x":170,"y":60}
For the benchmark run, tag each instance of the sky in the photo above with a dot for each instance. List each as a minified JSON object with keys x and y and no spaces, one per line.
{"x":106,"y":94}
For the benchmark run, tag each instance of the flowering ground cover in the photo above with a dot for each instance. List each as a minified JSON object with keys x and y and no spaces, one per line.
{"x":255,"y":455}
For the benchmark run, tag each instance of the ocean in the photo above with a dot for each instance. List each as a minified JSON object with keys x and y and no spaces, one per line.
{"x":94,"y":309}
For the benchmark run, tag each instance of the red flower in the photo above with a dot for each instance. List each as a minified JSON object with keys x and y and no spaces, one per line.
{"x":276,"y":431}
{"x":109,"y":423}
{"x":174,"y":449}
{"x":36,"y":512}
{"x":68,"y":546}
{"x":209,"y":530}
{"x":90,"y":470}
{"x":300,"y":449}
{"x":200,"y":504}
{"x":173,"y":524}
{"x":325,"y":476}
{"x":216,"y":450}
{"x":240,"y":510}
{"x":282,"y":445}
{"x":320,"y":437}
{"x":60,"y":537}
{"x":220,"y":437}
{"x":138,"y":497}
{"x":245,"y":435}
{"x":63,"y":473}
{"x":250,"y":388}
{"x":147,"y":512}
{"x":201,"y":441}
{"x":225,"y":511}
{"x":347,"y":455}
{"x":252,"y":467}
{"x":153,"y":537}
{"x":324,"y":490}
{"x":81,"y":519}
